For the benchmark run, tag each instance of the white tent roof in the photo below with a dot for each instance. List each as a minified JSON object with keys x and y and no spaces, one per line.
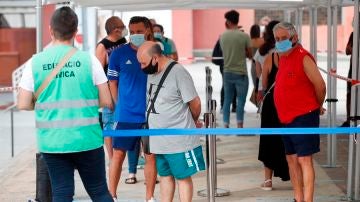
{"x":135,"y":5}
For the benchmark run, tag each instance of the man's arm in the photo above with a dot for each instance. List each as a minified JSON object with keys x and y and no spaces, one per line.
{"x":195,"y":108}
{"x":313,"y":73}
{"x":248,"y":52}
{"x":25,"y":100}
{"x":105,"y":99}
{"x":101,"y":54}
{"x":114,"y":89}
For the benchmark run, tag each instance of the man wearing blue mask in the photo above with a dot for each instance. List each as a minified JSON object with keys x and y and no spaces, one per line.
{"x":169,"y":45}
{"x":128,"y":89}
{"x":299,"y":94}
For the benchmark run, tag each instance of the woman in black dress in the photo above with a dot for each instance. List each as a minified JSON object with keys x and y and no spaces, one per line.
{"x":271,"y":148}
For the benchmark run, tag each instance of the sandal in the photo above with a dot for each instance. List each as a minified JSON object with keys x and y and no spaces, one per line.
{"x":267,"y":185}
{"x":131,"y":180}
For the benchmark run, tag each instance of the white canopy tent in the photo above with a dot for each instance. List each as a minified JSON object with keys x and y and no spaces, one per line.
{"x":137,"y":5}
{"x":353,"y":186}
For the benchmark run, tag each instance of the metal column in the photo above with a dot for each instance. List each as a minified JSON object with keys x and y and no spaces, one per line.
{"x":333,"y":88}
{"x":39,"y":26}
{"x":287,"y":15}
{"x":313,"y":31}
{"x":355,"y":102}
{"x":331,"y":100}
{"x":353,"y":182}
{"x":298,"y":22}
{"x":85,"y":32}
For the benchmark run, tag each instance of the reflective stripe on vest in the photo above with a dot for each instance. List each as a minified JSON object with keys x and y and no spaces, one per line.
{"x":66,"y":104}
{"x":67,"y":123}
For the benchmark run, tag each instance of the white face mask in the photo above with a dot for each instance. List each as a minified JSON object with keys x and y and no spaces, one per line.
{"x":124,"y":32}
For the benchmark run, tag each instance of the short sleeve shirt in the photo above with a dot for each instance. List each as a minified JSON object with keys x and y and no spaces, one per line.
{"x":171,"y":110}
{"x":233,"y":44}
{"x":126,"y":69}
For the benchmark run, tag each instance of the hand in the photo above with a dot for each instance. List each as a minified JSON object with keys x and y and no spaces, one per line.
{"x":260,"y":96}
{"x":199,"y":124}
{"x":322,"y":110}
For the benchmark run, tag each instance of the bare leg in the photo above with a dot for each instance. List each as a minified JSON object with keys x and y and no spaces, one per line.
{"x":268,"y":173}
{"x":150,"y":175}
{"x":167,"y":188}
{"x":307,"y":168}
{"x":295,"y":176}
{"x":185,"y":189}
{"x":108,"y":145}
{"x":115,"y":170}
{"x":267,"y":184}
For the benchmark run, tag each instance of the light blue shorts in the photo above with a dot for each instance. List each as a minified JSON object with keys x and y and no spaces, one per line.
{"x":180,"y":165}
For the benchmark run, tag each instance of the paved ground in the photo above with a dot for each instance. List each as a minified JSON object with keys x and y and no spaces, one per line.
{"x":241,"y":174}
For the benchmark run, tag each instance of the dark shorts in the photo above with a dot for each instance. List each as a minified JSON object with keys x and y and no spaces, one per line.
{"x":126,"y":143}
{"x":303,"y":145}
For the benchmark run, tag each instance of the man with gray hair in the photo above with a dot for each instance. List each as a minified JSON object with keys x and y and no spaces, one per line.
{"x":298,"y":95}
{"x":173,"y":103}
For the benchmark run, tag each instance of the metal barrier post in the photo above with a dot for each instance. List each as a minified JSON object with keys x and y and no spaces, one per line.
{"x":210,"y":162}
{"x":12,"y":131}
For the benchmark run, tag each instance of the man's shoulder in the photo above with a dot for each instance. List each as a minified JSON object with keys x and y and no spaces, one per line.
{"x":123,"y":49}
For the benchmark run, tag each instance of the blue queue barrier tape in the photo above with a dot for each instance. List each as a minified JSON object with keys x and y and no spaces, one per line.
{"x":231,"y":131}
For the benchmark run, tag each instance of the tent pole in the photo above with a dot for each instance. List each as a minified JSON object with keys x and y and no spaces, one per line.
{"x":85,"y":32}
{"x":329,"y":80}
{"x":333,"y":88}
{"x":355,"y":102}
{"x":299,"y":22}
{"x":39,"y":26}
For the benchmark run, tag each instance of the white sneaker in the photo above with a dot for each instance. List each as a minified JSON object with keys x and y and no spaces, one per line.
{"x":115,"y":199}
{"x":151,"y":200}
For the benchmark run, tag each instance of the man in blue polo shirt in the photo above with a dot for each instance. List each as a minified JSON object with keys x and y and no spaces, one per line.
{"x":128,"y":89}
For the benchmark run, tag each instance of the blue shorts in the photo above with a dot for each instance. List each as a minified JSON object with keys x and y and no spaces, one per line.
{"x":126,"y":143}
{"x":180,"y":165}
{"x":303,"y":145}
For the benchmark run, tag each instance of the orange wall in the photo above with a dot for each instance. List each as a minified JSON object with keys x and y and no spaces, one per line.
{"x":199,"y":29}
{"x":48,"y":10}
{"x":209,"y":24}
{"x":182,"y":21}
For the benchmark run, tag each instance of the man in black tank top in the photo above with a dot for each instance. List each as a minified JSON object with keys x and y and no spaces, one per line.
{"x":116,"y":32}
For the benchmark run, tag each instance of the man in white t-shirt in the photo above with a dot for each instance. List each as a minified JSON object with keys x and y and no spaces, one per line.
{"x":66,"y":110}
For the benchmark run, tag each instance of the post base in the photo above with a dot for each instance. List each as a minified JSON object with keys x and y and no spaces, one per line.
{"x":218,"y":192}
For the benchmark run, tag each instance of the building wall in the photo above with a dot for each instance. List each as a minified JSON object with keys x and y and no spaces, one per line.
{"x":196,"y":31}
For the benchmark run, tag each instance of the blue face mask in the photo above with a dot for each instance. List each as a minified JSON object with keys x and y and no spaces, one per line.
{"x":157,"y":35}
{"x":283,"y":46}
{"x":137,"y":39}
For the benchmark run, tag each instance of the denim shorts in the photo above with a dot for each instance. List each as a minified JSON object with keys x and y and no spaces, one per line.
{"x":126,"y":143}
{"x":108,"y":122}
{"x":306,"y":144}
{"x":180,"y":165}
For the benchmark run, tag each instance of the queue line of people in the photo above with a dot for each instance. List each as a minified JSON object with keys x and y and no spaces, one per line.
{"x":70,"y":136}
{"x":287,"y":73}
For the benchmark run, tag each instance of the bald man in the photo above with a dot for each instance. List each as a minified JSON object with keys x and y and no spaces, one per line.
{"x":177,"y":106}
